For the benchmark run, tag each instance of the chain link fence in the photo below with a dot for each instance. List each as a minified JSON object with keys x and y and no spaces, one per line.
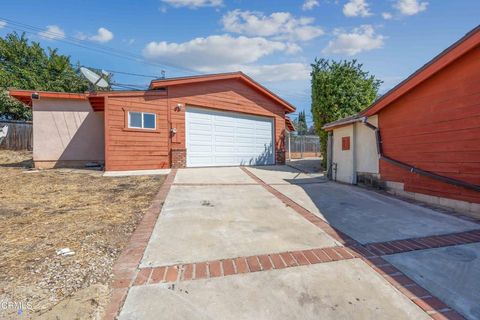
{"x":299,"y":147}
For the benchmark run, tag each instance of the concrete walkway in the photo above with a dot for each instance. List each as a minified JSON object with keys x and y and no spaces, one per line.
{"x":276,"y":243}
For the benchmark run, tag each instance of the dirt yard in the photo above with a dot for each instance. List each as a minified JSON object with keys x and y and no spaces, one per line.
{"x":43,"y":211}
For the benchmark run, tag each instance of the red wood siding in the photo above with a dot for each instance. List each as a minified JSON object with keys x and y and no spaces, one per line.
{"x":136,"y":149}
{"x":227,"y":95}
{"x":436,"y":127}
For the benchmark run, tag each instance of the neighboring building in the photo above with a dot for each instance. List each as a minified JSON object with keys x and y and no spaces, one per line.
{"x":429,"y":133}
{"x":212,"y":120}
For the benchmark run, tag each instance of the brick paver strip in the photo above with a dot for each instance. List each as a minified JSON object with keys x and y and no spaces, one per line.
{"x":228,"y":267}
{"x":241,"y":265}
{"x":158,"y":275}
{"x":126,"y":266}
{"x":260,"y":263}
{"x":371,"y":253}
{"x":215,"y":268}
{"x":399,"y":246}
{"x":126,"y":272}
{"x":336,"y":234}
{"x":187,"y":272}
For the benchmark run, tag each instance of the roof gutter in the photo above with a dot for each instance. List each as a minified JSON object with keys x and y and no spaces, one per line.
{"x":413,"y":169}
{"x":330,"y":126}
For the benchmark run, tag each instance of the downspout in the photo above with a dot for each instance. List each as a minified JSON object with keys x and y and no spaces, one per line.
{"x":354,"y":151}
{"x":412,"y":169}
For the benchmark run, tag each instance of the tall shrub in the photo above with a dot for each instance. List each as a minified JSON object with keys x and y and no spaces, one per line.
{"x":339,"y":89}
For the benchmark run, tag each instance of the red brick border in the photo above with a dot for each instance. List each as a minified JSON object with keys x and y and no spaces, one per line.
{"x":398,"y":246}
{"x":125,"y":269}
{"x":227,"y":267}
{"x":433,"y":306}
{"x":215,"y":184}
{"x":430,"y":304}
{"x":336,"y":234}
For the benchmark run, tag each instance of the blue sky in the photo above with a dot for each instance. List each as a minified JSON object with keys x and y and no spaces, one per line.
{"x":274,"y":41}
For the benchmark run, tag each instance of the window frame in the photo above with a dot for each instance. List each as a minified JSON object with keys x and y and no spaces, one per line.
{"x":142,"y":127}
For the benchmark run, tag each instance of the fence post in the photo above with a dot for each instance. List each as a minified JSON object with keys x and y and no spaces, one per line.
{"x":289,"y":147}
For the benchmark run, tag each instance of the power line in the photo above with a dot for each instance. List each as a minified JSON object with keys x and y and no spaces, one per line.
{"x":75,"y":66}
{"x":90,"y":46}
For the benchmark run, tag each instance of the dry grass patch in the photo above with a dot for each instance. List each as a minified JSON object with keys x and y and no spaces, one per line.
{"x":43,"y":211}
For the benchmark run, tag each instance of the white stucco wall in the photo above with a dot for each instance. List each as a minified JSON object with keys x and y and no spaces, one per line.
{"x":362,"y":156}
{"x":366,"y":147}
{"x":343,"y":158}
{"x":67,"y":130}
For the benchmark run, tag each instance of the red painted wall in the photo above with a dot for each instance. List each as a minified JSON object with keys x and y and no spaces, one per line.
{"x":130,"y":149}
{"x":227,"y":95}
{"x":135,"y":150}
{"x":436,"y":127}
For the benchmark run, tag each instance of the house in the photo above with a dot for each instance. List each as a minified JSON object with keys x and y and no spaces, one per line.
{"x":422,"y":138}
{"x":208,"y":120}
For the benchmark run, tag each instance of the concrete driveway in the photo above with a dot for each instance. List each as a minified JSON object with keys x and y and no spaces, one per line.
{"x":276,"y":243}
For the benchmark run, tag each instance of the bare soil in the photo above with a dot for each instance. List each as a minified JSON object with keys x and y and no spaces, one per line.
{"x":43,"y":211}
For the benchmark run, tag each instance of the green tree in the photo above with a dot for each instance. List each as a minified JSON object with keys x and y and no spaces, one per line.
{"x":301,"y":124}
{"x":339,"y":89}
{"x":26,"y":65}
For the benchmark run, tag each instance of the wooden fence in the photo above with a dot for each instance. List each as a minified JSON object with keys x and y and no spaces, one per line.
{"x":19,"y":135}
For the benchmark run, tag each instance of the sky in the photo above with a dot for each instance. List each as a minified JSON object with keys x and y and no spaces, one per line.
{"x":273,"y":41}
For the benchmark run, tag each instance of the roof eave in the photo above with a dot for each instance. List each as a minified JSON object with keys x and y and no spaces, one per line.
{"x":337,"y":124}
{"x":222,"y":76}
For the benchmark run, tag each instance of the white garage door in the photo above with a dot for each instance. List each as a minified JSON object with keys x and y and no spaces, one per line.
{"x":217,"y":138}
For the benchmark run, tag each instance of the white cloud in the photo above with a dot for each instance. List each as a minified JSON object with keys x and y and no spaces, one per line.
{"x":103,"y":35}
{"x":276,"y":72}
{"x":356,"y":8}
{"x":281,"y":25}
{"x":310,"y":4}
{"x":410,"y":7}
{"x":387,"y":15}
{"x":52,"y":32}
{"x":2,"y":24}
{"x":224,"y":53}
{"x":194,"y":3}
{"x":360,"y":39}
{"x":206,"y":54}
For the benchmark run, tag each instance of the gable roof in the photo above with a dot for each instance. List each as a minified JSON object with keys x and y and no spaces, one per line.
{"x":468,"y":42}
{"x":161,"y":83}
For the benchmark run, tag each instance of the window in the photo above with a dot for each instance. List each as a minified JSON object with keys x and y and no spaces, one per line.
{"x":142,"y":120}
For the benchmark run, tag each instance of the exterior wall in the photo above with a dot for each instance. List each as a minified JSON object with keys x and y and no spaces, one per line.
{"x":467,"y":208}
{"x":343,"y":158}
{"x":66,"y":133}
{"x":136,"y":149}
{"x":436,"y":127}
{"x":227,"y":95}
{"x":127,"y":149}
{"x":366,"y":147}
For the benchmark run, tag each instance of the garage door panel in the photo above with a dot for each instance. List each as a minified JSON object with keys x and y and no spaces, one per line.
{"x":201,"y":148}
{"x":224,"y":128}
{"x":224,"y":149}
{"x":217,"y":138}
{"x":224,"y":140}
{"x":201,"y":138}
